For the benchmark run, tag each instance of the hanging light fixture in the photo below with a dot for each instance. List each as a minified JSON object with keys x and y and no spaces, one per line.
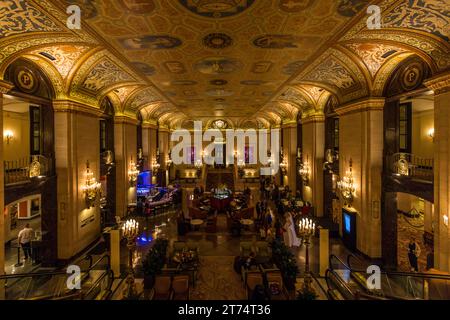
{"x":133,"y":172}
{"x":91,"y":187}
{"x":346,"y":185}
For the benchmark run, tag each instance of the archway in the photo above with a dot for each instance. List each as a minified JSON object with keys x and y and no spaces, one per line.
{"x":408,"y":116}
{"x":30,"y":178}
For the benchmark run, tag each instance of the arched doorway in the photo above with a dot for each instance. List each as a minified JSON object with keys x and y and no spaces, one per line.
{"x":29,"y":155}
{"x":408,"y":153}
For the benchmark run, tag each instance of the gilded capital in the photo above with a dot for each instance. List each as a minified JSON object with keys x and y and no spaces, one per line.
{"x":439,"y":84}
{"x":5,"y":87}
{"x":362,"y":105}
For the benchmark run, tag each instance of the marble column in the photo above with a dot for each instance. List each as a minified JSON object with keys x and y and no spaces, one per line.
{"x":4,"y":88}
{"x":290,"y":153}
{"x":441,"y":87}
{"x":163,"y":153}
{"x":313,"y":137}
{"x":125,"y":146}
{"x":149,"y":142}
{"x":76,"y":142}
{"x":361,"y":140}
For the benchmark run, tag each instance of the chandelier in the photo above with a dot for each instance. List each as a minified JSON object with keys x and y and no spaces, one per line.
{"x":305,"y":170}
{"x":133,"y":172}
{"x":346,"y":186}
{"x":91,"y":187}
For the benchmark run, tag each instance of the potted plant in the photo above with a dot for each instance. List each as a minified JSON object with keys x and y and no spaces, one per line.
{"x":154,"y":261}
{"x":286,"y":262}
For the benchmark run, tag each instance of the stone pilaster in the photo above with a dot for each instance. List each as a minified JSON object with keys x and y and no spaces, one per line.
{"x":76,"y":142}
{"x":313,"y":137}
{"x":290,"y":153}
{"x":4,"y":88}
{"x":361,"y":140}
{"x":441,"y":87}
{"x":163,"y":151}
{"x":149,"y":142}
{"x":125,"y":145}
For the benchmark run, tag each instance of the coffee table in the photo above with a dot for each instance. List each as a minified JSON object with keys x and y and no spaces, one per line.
{"x":196,"y":223}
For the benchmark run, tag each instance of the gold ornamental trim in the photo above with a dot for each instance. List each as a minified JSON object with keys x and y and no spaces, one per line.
{"x":439,"y":84}
{"x":364,"y":105}
{"x":68,"y":106}
{"x":5,"y":86}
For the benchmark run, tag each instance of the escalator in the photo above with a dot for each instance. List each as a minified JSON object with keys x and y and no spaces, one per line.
{"x":96,"y":284}
{"x":349,"y":281}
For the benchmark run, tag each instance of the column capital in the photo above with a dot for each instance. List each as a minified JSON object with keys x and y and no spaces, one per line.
{"x":313,"y":118}
{"x":70,"y":106}
{"x":439,"y":84}
{"x":149,"y":125}
{"x":289,"y":124}
{"x":123,"y":119}
{"x":5,"y":86}
{"x":368,"y":104}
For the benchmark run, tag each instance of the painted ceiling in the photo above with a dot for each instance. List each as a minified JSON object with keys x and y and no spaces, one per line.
{"x":241,"y":60}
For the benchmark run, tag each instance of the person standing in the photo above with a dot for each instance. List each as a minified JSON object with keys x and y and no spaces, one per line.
{"x":290,"y":235}
{"x":25,"y":237}
{"x":413,"y":254}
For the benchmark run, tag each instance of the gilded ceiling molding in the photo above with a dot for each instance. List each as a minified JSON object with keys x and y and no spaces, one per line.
{"x":52,"y":74}
{"x":11,"y":49}
{"x":384,"y":73}
{"x":5,"y":86}
{"x":362,"y":105}
{"x":435,"y":52}
{"x":440,"y":84}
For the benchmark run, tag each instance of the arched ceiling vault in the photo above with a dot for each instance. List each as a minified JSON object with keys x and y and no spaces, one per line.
{"x":173,"y":62}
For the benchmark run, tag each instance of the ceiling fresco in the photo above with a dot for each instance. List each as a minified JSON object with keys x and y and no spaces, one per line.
{"x":264,"y":60}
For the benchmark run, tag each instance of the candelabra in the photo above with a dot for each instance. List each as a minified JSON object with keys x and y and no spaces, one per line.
{"x":346,"y":186}
{"x":91,"y":188}
{"x":133,"y":172}
{"x":305,"y":171}
{"x":306,"y":229}
{"x":283,"y":164}
{"x":35,"y":167}
{"x":130,"y":231}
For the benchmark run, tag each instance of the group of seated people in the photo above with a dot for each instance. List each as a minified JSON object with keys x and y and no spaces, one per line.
{"x":260,"y":276}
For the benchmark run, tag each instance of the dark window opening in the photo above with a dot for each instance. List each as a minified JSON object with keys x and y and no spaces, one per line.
{"x":35,"y":130}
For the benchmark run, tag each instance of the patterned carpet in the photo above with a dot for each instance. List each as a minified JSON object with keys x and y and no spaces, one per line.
{"x":217,"y":280}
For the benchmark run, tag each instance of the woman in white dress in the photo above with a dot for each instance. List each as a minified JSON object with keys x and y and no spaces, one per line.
{"x":289,"y":235}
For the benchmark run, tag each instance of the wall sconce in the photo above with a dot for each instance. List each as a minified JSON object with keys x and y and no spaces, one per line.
{"x":9,"y":135}
{"x":431,"y":134}
{"x":133,"y":172}
{"x":91,"y":187}
{"x":346,"y":186}
{"x":445,"y":217}
{"x":283,"y":166}
{"x":305,"y":171}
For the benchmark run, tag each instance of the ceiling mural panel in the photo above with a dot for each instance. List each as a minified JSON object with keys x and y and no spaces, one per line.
{"x":374,"y":55}
{"x":63,"y":57}
{"x":143,"y":97}
{"x":19,"y":16}
{"x":104,"y":74}
{"x":216,"y":9}
{"x":332,"y":72}
{"x":431,"y":16}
